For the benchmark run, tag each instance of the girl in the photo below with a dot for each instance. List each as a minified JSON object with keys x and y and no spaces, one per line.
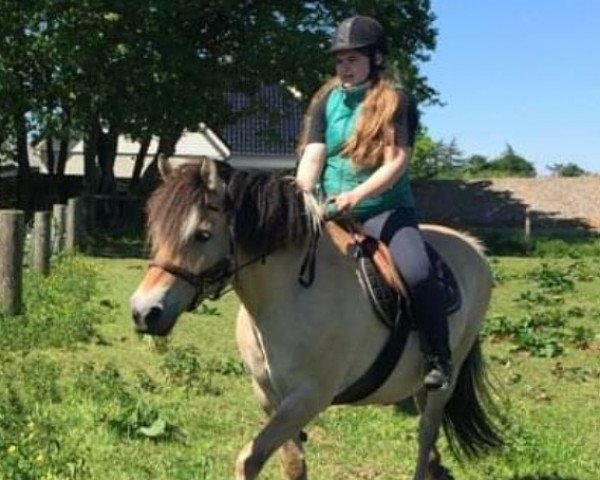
{"x":355,"y":147}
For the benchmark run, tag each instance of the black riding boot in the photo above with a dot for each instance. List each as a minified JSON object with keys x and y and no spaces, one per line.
{"x":434,"y":343}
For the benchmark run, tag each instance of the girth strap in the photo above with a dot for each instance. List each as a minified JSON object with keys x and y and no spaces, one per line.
{"x":381,"y":368}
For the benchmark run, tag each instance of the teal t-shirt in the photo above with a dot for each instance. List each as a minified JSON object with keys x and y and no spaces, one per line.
{"x":340,"y":174}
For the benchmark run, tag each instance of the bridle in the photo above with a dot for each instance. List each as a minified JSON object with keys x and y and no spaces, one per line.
{"x":212,"y":282}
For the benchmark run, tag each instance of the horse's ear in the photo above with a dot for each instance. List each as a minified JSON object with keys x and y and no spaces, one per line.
{"x":209,"y":173}
{"x":164,"y":166}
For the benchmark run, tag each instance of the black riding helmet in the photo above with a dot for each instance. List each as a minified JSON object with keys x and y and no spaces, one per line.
{"x":359,"y":32}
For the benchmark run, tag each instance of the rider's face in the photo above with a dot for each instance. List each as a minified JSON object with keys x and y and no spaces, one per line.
{"x":352,"y":67}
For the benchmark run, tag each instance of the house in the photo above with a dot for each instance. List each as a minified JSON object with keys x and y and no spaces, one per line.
{"x":266,"y":132}
{"x":9,"y":168}
{"x":190,"y":146}
{"x":263,"y":136}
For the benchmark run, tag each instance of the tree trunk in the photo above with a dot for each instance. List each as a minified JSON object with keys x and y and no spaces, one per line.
{"x":63,"y":153}
{"x":107,"y":152}
{"x":166,"y":146}
{"x":90,"y":150}
{"x":50,"y":158}
{"x":139,"y":163}
{"x":24,"y":172}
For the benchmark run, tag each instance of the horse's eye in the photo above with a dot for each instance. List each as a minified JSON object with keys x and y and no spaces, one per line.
{"x":203,"y":236}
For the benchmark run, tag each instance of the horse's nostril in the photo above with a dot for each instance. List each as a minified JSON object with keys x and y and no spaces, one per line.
{"x":153,"y":315}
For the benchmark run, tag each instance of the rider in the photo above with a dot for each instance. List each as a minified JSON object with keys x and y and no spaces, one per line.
{"x":355,"y":146}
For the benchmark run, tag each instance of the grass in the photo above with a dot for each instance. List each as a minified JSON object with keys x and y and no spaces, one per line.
{"x":81,"y":396}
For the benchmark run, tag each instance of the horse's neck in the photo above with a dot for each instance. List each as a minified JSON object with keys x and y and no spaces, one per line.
{"x":267,"y":280}
{"x":264,"y":287}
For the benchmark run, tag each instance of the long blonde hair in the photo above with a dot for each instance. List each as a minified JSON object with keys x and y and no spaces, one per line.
{"x":374,"y":127}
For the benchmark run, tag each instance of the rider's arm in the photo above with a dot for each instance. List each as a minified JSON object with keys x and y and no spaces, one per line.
{"x":393,"y":167}
{"x":310,"y":166}
{"x":313,"y":157}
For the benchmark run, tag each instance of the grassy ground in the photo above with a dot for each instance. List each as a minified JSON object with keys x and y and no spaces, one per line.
{"x":96,"y":401}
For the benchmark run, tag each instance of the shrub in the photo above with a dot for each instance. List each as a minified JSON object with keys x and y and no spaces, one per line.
{"x":59,"y":310}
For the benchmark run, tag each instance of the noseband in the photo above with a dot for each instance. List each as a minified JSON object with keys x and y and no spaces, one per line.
{"x":216,"y":276}
{"x":210,"y":283}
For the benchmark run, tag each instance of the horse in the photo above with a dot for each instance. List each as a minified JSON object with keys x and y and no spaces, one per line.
{"x":210,"y":225}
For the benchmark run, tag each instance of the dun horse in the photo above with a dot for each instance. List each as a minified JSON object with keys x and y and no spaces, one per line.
{"x":210,"y":225}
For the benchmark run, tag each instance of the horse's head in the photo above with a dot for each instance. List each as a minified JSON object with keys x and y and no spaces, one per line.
{"x":188,"y":225}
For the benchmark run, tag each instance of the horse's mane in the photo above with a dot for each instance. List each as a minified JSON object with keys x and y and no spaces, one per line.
{"x":170,"y":204}
{"x":268,"y":210}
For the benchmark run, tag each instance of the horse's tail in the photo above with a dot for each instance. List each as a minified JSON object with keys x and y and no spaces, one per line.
{"x":470,"y":414}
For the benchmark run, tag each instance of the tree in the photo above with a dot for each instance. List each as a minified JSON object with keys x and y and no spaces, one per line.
{"x":431,"y":159}
{"x":98,"y":68}
{"x":568,"y":169}
{"x":509,"y":164}
{"x":475,"y":165}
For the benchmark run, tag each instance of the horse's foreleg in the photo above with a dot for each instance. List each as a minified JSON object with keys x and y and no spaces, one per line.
{"x":295,"y":411}
{"x":431,"y":406}
{"x":293,"y":463}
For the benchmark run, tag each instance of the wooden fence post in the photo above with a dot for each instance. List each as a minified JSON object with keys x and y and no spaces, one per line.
{"x":41,"y":243}
{"x":59,"y":214}
{"x":527,"y":223}
{"x":12,"y":238}
{"x":74,"y":224}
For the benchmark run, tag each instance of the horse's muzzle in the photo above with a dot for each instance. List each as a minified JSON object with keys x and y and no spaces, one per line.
{"x":152,"y":321}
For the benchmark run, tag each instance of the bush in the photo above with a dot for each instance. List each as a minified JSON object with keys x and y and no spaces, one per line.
{"x":59,"y":308}
{"x":510,"y":242}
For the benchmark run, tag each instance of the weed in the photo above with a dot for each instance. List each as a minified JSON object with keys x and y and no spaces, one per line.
{"x":552,"y":279}
{"x":226,"y":366}
{"x":182,"y":368}
{"x":120,"y":407}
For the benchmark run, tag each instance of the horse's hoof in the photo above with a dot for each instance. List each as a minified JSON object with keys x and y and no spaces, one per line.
{"x":439,"y":472}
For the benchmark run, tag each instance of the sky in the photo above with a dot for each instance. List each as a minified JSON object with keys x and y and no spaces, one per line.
{"x":518,"y":72}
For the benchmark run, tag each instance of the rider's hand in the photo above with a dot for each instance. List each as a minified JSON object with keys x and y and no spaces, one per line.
{"x":345,"y":201}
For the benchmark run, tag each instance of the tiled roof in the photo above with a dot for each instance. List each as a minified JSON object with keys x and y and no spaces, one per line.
{"x":269,"y":122}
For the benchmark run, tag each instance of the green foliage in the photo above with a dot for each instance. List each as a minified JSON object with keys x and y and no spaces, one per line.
{"x":59,"y":308}
{"x":182,"y":367}
{"x":120,"y":407}
{"x":510,"y":164}
{"x":568,"y":169}
{"x":546,"y":328}
{"x":510,"y":242}
{"x":433,"y":159}
{"x":144,"y":68}
{"x":437,"y":159}
{"x":30,"y":446}
{"x":106,"y":410}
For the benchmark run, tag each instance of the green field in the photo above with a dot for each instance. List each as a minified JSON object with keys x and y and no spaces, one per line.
{"x":81,"y":396}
